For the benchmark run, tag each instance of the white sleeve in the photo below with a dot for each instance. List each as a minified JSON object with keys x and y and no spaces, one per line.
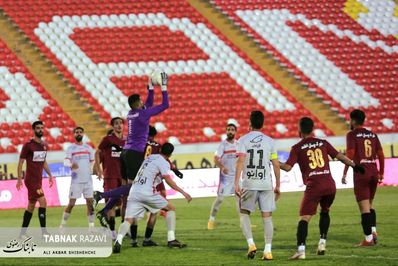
{"x":164,"y":168}
{"x":92,"y":154}
{"x":68,"y":157}
{"x":220,"y":150}
{"x":241,"y":147}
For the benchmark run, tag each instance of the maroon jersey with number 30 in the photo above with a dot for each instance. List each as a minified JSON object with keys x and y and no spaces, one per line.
{"x":311,"y":154}
{"x":366,"y":145}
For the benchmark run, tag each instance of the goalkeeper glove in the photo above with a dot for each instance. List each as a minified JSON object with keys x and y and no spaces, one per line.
{"x":165,"y":79}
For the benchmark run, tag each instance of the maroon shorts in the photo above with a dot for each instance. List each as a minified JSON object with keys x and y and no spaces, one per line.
{"x":365,"y":187}
{"x":35,"y":191}
{"x":311,"y":200}
{"x":112,"y":183}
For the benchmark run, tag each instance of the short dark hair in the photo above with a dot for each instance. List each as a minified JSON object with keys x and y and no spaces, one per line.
{"x":38,"y":122}
{"x":113,"y":120}
{"x":232,"y":125}
{"x":133,"y":99}
{"x":77,"y":128}
{"x":152,"y":131}
{"x":306,"y":125}
{"x":358,"y":116}
{"x":256,"y":119}
{"x":167,"y":149}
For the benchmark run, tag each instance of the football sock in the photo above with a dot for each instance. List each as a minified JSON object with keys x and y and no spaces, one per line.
{"x":65,"y":217}
{"x":324,"y":222}
{"x":171,"y":225}
{"x":268,"y":230}
{"x":26,"y":220}
{"x":123,"y":229}
{"x":133,"y":231}
{"x":42,"y":218}
{"x":365,"y":221}
{"x":148,"y":233}
{"x":117,"y":212}
{"x":302,"y":231}
{"x":373,"y":219}
{"x":246,"y":228}
{"x":111,"y":223}
{"x":216,"y":206}
{"x":90,"y":219}
{"x":237,"y":199}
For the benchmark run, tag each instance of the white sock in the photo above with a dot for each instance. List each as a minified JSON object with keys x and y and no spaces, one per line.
{"x":301,"y":249}
{"x":216,"y":206}
{"x":267,"y":248}
{"x":90,"y":218}
{"x":123,"y":229}
{"x":268,"y":230}
{"x":65,"y":217}
{"x":171,"y":225}
{"x":322,"y":241}
{"x":373,"y":229}
{"x":212,"y":218}
{"x":369,"y":238}
{"x":246,"y":228}
{"x":91,"y":225}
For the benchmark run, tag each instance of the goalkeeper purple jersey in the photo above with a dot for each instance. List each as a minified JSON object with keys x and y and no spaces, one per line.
{"x":138,"y":122}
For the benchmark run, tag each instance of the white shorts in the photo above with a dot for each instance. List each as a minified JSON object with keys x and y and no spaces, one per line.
{"x":265,"y":199}
{"x":226,"y":186}
{"x":138,"y":204}
{"x":77,"y":189}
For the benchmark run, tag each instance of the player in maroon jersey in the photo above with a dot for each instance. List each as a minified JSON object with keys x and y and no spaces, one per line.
{"x":108,"y":163}
{"x":311,"y":154}
{"x":34,"y":153}
{"x":363,"y":146}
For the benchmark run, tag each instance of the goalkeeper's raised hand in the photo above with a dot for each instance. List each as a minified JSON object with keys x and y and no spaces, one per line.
{"x":165,"y":80}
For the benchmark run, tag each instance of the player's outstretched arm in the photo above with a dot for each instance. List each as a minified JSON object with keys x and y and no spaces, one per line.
{"x":285,"y":167}
{"x":20,"y":175}
{"x":348,"y":162}
{"x":174,"y":186}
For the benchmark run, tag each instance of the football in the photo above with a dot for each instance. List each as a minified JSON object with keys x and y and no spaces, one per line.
{"x":156,"y":76}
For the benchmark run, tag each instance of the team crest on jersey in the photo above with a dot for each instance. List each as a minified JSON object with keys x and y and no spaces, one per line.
{"x":257,"y":139}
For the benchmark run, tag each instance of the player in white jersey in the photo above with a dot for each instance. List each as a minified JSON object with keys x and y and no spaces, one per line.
{"x":255,"y":152}
{"x":144,"y":197}
{"x":225,"y":159}
{"x":80,"y":157}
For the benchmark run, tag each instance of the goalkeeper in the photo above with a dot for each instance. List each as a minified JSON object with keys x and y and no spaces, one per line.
{"x":134,"y":150}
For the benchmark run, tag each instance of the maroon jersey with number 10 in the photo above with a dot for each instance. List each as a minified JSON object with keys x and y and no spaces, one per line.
{"x":311,"y":154}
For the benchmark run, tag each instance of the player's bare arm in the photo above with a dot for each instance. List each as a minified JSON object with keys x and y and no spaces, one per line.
{"x":277,"y":172}
{"x":218,"y":163}
{"x":174,"y":186}
{"x":239,"y":168}
{"x":350,"y":155}
{"x":380,"y":157}
{"x":50,"y":176}
{"x":97,"y":165}
{"x":20,"y":174}
{"x":285,"y":167}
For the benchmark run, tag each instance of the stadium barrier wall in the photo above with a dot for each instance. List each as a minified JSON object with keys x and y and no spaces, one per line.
{"x":197,"y":182}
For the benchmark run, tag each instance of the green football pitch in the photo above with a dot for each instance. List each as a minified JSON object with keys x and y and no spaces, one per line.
{"x":226,"y":245}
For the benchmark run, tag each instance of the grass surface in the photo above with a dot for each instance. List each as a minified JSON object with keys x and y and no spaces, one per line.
{"x":226,"y":245}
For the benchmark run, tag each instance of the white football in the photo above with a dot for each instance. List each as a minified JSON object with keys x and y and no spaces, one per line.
{"x":156,"y":77}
